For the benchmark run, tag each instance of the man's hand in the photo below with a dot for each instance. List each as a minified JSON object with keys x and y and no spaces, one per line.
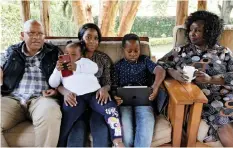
{"x":70,"y":99}
{"x":102,"y":95}
{"x":119,"y":101}
{"x":202,"y":77}
{"x":154,"y":93}
{"x":49,"y":93}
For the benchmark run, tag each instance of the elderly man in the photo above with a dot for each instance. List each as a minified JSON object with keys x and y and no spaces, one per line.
{"x":26,"y":68}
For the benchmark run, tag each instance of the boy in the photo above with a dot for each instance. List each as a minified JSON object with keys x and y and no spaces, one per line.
{"x":84,"y":85}
{"x":133,"y":69}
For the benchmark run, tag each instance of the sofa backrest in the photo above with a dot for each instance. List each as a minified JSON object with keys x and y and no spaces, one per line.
{"x":180,"y":38}
{"x":109,"y":45}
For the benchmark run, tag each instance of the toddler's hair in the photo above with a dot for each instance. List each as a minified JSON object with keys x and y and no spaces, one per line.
{"x":80,"y":44}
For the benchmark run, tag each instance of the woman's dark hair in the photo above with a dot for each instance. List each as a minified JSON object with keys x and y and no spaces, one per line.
{"x":128,"y":37}
{"x":213,"y":26}
{"x":86,"y":26}
{"x":80,"y":44}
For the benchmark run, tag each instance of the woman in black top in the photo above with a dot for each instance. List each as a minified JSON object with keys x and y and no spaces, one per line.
{"x":91,"y":35}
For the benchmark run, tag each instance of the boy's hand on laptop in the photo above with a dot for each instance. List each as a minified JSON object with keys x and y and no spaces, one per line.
{"x":70,"y":99}
{"x":119,"y":101}
{"x":102,"y":95}
{"x":154,"y":93}
{"x":72,"y":66}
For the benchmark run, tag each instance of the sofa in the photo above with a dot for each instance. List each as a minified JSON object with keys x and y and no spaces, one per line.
{"x":22,"y":135}
{"x":168,"y":130}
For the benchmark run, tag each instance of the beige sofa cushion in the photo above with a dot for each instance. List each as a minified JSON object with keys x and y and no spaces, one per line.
{"x":22,"y":135}
{"x":214,"y":144}
{"x":162,"y":131}
{"x":112,"y":48}
{"x":202,"y":133}
{"x":179,"y":37}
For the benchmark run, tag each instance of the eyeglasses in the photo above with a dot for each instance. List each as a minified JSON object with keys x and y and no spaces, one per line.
{"x":35,"y":34}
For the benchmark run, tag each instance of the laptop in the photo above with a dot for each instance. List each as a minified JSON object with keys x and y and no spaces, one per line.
{"x":134,"y":95}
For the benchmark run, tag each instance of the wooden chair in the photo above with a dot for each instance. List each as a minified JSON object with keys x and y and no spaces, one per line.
{"x":194,"y":132}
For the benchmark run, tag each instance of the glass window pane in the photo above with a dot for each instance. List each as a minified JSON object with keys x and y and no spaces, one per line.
{"x":61,"y":19}
{"x":158,"y":17}
{"x":192,"y":7}
{"x":11,"y":23}
{"x":35,"y":9}
{"x":223,"y":8}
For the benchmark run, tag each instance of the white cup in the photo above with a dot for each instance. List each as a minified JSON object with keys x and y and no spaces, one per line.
{"x":189,"y":72}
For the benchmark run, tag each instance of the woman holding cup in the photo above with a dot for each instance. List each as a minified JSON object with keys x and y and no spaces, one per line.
{"x":189,"y":71}
{"x":215,"y":74}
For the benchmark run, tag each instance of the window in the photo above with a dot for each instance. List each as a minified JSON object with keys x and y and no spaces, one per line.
{"x":11,"y":23}
{"x":158,"y":17}
{"x":223,"y":8}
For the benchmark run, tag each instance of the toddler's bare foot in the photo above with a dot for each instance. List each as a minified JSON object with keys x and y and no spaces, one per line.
{"x":118,"y":142}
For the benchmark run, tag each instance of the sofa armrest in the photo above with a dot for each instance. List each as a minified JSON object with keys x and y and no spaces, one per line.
{"x":177,"y":92}
{"x":181,"y":95}
{"x":194,"y":114}
{"x":178,"y":98}
{"x":195,"y":93}
{"x":184,"y":93}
